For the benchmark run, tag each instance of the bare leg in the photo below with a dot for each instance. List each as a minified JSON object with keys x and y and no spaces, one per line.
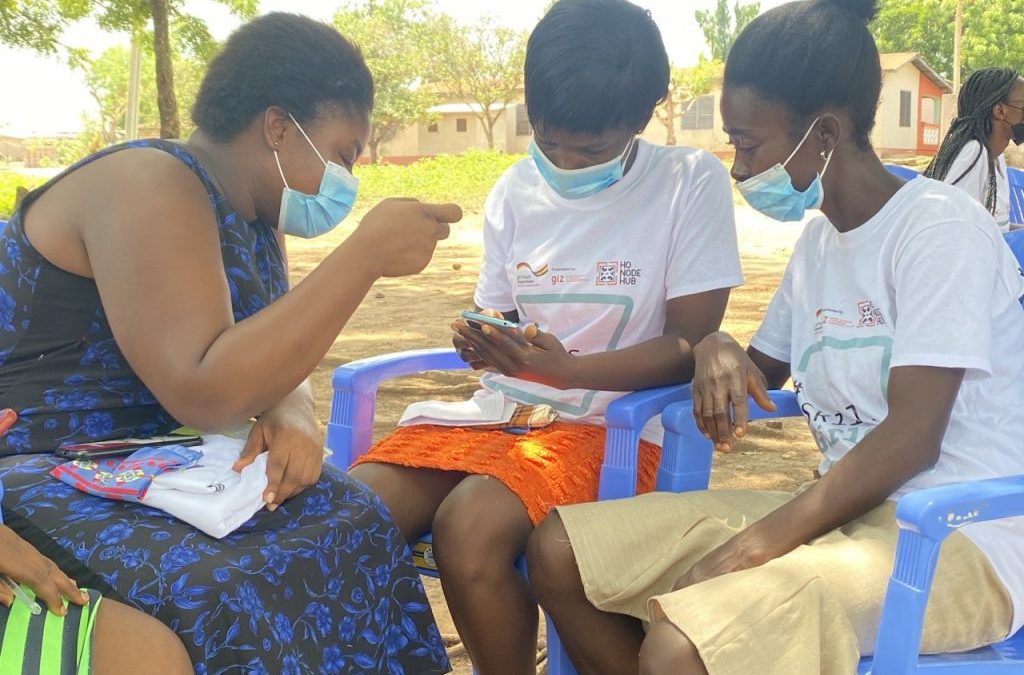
{"x":479,"y":531}
{"x":597,"y":642}
{"x":411,"y":495}
{"x":128,"y":642}
{"x":667,"y":651}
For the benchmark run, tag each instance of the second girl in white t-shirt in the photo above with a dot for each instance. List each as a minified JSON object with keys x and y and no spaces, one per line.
{"x":623,"y":254}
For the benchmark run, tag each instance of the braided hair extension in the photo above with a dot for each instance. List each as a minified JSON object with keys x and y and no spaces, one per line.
{"x":982,"y":90}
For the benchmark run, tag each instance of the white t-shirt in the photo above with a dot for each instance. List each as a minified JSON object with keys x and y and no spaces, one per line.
{"x":928,"y":281}
{"x":597,"y":272}
{"x":975,"y":182}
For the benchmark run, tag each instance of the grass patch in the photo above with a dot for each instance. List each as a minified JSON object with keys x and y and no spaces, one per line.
{"x":465,"y":179}
{"x":10,"y":181}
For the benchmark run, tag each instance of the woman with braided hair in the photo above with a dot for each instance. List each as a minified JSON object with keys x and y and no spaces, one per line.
{"x":990,"y":113}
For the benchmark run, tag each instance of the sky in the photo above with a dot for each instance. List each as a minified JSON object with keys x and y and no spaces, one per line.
{"x":45,"y":97}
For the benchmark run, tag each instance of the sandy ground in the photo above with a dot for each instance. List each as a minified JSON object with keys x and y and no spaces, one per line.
{"x":401,"y":314}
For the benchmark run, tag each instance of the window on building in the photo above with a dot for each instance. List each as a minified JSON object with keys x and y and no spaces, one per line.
{"x":522,"y":121}
{"x":461,"y":124}
{"x":432,"y":127}
{"x":930,"y":110}
{"x":904,"y":108}
{"x":699,"y":113}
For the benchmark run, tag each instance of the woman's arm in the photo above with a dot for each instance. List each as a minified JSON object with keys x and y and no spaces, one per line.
{"x":157,"y":264}
{"x":906,"y":443}
{"x":668,"y":359}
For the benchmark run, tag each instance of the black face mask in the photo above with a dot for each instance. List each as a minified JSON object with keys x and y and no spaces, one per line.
{"x":1018,"y":133}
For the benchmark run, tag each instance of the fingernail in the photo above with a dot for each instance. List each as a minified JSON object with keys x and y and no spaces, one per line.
{"x":269,"y":497}
{"x":85,"y":596}
{"x":271,"y":507}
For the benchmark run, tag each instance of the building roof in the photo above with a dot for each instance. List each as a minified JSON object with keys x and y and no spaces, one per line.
{"x":462,"y":108}
{"x":896,"y":60}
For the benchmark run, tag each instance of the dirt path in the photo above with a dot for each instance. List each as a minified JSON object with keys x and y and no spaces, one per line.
{"x":401,"y":314}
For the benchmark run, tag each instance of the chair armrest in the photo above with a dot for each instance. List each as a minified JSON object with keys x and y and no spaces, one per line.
{"x":624,"y":420}
{"x":355,"y":391}
{"x":686,"y":453}
{"x":926,"y":518}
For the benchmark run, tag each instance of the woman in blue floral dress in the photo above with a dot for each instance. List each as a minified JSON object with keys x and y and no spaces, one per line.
{"x":146,"y":288}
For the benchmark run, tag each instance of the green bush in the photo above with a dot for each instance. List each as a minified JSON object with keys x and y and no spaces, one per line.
{"x":464,"y":179}
{"x":10,"y":181}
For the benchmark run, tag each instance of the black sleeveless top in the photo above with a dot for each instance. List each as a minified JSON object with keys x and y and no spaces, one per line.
{"x":60,"y":368}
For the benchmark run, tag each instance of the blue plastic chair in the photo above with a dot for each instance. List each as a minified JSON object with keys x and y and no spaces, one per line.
{"x":923,"y":518}
{"x":350,"y":430}
{"x":1015,"y":177}
{"x":904,"y":172}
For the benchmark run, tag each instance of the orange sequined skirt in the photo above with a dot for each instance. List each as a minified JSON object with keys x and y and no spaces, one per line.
{"x":557,"y":465}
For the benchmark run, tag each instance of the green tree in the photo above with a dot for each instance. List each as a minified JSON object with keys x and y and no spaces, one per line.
{"x":482,"y":66}
{"x":684,"y":87}
{"x":992,"y":32}
{"x":106,"y":78}
{"x":722,"y":25}
{"x":395,"y":38}
{"x":40,"y":25}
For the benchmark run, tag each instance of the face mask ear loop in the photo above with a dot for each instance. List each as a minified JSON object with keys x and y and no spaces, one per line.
{"x":802,"y":140}
{"x":303,"y":132}
{"x":624,"y":157}
{"x":278,"y":160}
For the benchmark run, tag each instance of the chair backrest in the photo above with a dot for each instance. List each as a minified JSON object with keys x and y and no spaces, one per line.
{"x":1016,"y":179}
{"x":1015,"y":240}
{"x":904,"y":172}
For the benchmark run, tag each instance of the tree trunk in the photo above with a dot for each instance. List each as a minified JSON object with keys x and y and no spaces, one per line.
{"x":670,"y":122}
{"x":374,"y":145}
{"x":167,"y":102}
{"x":489,"y":123}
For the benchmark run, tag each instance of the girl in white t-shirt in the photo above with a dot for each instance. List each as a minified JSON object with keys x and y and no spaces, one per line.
{"x":622,"y":253}
{"x":990,"y":114}
{"x":899,"y":323}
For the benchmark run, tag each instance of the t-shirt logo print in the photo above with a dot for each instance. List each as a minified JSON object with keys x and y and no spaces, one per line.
{"x":607,"y":274}
{"x":869,"y":315}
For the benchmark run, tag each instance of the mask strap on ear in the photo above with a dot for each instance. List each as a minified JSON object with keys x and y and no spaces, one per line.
{"x":802,"y":140}
{"x":303,"y":132}
{"x":278,"y":160}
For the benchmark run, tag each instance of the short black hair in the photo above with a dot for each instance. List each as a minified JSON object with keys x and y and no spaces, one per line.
{"x":980,"y":93}
{"x":810,"y":55}
{"x":595,"y":65}
{"x":284,"y":60}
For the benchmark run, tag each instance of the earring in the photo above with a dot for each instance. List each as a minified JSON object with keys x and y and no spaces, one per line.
{"x":824,"y":155}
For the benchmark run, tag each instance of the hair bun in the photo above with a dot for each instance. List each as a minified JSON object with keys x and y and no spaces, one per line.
{"x":865,"y":10}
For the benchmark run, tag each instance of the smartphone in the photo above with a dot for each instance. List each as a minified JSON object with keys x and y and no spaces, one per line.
{"x":121,"y":446}
{"x":478,"y":318}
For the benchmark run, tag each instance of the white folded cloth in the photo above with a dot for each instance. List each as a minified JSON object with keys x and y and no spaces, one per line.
{"x":211,"y":496}
{"x":485,"y":408}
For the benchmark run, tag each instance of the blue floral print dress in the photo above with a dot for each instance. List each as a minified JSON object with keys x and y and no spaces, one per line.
{"x":324,"y":584}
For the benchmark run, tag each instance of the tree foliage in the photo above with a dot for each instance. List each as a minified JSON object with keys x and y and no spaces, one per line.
{"x":41,"y":24}
{"x":722,"y":25}
{"x":992,"y":34}
{"x":481,"y":65}
{"x":395,"y":37}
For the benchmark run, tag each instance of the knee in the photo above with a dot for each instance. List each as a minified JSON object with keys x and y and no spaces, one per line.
{"x":550,"y":561}
{"x":469,"y":546}
{"x":666,"y":651}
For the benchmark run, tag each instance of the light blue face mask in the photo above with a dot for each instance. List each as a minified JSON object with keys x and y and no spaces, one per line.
{"x":772,"y":193}
{"x":309,"y":216}
{"x":580,"y":183}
